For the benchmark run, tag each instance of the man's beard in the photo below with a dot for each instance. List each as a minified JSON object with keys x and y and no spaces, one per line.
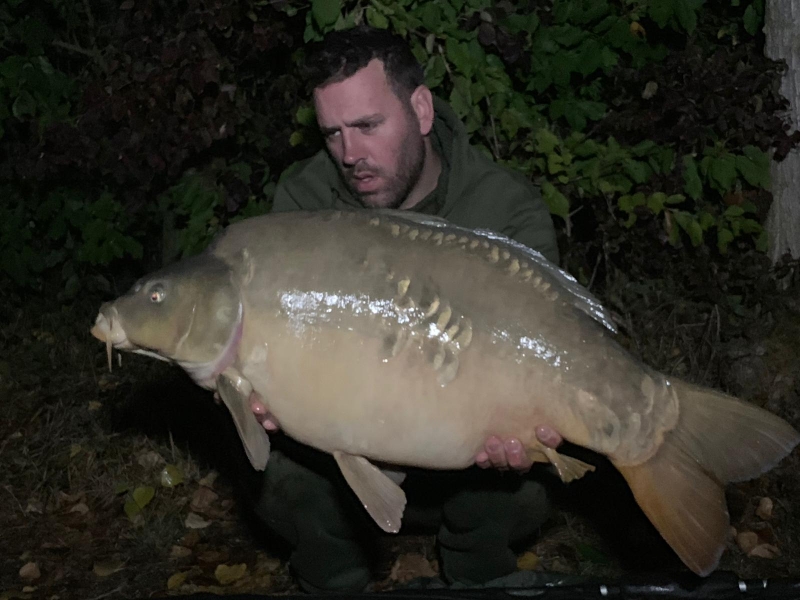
{"x":397,"y":188}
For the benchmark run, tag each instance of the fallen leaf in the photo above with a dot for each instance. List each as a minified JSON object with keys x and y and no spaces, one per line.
{"x":34,"y":506}
{"x":747,"y":540}
{"x":107,"y":567}
{"x":29,"y":589}
{"x":195,"y":521}
{"x":71,"y":498}
{"x":528,"y":561}
{"x":30,"y":571}
{"x":189,"y":539}
{"x":176,"y":580}
{"x":270,"y":564}
{"x":410,"y":566}
{"x":228,"y":574}
{"x":180,"y":552}
{"x":142,"y":495}
{"x":94,"y":405}
{"x":74,"y":450}
{"x":15,"y":436}
{"x":650,"y":90}
{"x":208,"y":480}
{"x":171,"y":476}
{"x":765,"y":551}
{"x":202,"y":499}
{"x":150,"y":459}
{"x":80,"y":508}
{"x":764,"y":510}
{"x":213,"y":557}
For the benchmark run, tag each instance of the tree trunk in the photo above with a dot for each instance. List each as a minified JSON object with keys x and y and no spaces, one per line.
{"x":782,"y":29}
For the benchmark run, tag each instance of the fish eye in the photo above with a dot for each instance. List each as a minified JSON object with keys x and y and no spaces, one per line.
{"x":157,"y":294}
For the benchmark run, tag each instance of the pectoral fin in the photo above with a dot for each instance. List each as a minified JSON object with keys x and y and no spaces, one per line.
{"x":384,"y":500}
{"x":254,"y":437}
{"x":568,"y":468}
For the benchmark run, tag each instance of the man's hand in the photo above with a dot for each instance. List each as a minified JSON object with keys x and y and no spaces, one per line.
{"x":510,"y":454}
{"x":266,"y":418}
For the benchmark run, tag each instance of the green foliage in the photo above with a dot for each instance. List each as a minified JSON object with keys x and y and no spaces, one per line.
{"x":529,"y":84}
{"x":67,"y":230}
{"x":182,"y":126}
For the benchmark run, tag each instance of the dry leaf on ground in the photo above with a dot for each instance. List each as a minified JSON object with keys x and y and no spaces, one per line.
{"x":228,"y":574}
{"x":410,"y":566}
{"x":202,"y":499}
{"x":180,"y":551}
{"x":195,"y":521}
{"x":747,"y":540}
{"x":30,"y":571}
{"x":107,"y":567}
{"x":768,"y":551}
{"x":764,"y":510}
{"x":528,"y":561}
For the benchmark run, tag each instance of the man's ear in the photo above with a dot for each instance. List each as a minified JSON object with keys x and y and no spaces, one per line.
{"x":422,"y":103}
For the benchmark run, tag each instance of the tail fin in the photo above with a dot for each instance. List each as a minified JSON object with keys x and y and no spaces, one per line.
{"x":718,"y":439}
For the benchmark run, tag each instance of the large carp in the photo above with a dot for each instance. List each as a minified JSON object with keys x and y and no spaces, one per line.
{"x":389,"y":339}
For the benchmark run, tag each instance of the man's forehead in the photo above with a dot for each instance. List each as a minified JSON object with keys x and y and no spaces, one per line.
{"x":366,"y":92}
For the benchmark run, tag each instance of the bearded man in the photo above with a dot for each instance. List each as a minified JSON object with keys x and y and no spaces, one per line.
{"x":391,"y":144}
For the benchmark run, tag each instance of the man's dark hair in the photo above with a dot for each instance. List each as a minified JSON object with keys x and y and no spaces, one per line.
{"x":342,"y":53}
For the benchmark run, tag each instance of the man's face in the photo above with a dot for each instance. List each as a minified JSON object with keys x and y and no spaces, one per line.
{"x":376,"y":142}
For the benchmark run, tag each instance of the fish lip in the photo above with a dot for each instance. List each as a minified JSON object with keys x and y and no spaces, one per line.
{"x":108,"y":328}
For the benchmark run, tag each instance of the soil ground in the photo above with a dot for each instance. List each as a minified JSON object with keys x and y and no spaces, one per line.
{"x":124,"y":484}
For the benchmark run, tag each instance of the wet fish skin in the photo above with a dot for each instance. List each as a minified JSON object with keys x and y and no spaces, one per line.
{"x":393,"y":338}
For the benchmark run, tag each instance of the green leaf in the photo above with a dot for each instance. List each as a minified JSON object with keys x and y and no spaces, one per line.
{"x":546,"y":141}
{"x":306,"y":115}
{"x":661,"y":11}
{"x":724,"y":237}
{"x":296,"y":138}
{"x":23,"y":105}
{"x":692,"y":183}
{"x":325,"y":12}
{"x":171,"y":476}
{"x":628,"y":203}
{"x":722,"y":171}
{"x":431,"y":15}
{"x":376,"y":19}
{"x":734,"y":211}
{"x":690,"y":225}
{"x":751,"y":20}
{"x":754,"y":166}
{"x":458,"y":54}
{"x":638,"y":171}
{"x":656,"y":202}
{"x":142,"y":495}
{"x":555,"y":200}
{"x":686,"y":14}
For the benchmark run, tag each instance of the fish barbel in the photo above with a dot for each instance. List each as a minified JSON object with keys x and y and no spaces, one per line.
{"x":391,"y":339}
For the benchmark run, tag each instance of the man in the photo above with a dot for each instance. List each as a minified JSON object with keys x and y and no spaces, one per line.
{"x":391,"y":144}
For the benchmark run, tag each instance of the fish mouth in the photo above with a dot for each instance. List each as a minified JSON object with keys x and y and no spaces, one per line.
{"x":108,"y":329}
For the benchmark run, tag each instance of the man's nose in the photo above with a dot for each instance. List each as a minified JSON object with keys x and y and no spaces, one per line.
{"x":353,"y":148}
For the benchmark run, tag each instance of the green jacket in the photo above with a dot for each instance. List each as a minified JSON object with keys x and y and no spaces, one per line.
{"x":473,"y":191}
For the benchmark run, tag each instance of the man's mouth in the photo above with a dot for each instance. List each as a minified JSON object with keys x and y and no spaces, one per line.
{"x":365,"y":182}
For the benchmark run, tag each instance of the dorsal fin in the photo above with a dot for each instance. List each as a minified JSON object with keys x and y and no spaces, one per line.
{"x":580,"y":297}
